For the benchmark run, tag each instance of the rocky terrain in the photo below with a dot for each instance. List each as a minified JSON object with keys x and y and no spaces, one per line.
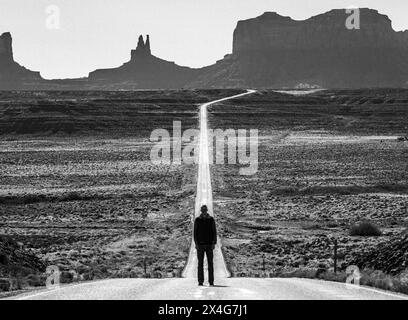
{"x":17,"y":263}
{"x":97,"y":207}
{"x":326,"y":161}
{"x":78,"y":188}
{"x":389,"y":256}
{"x":269,"y":51}
{"x":98,"y":114}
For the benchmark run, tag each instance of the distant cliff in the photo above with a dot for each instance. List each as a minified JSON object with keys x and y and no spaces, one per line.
{"x":270,"y":51}
{"x":12,"y":75}
{"x":276,"y":51}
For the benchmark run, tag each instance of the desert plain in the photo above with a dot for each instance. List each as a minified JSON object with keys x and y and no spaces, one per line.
{"x":78,"y":189}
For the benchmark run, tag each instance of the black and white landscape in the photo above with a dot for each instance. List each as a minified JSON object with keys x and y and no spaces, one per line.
{"x":324,"y":216}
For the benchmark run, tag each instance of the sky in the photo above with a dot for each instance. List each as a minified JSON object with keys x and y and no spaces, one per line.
{"x":70,"y":38}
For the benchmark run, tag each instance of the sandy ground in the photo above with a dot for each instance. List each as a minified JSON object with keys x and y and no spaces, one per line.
{"x":99,"y":211}
{"x":323,"y":165}
{"x":78,"y":187}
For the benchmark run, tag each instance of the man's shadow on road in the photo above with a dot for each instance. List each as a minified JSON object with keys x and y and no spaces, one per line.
{"x":218,"y":286}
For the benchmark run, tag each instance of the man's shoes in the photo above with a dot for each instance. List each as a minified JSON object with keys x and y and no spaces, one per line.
{"x":200,"y":284}
{"x":212,"y":284}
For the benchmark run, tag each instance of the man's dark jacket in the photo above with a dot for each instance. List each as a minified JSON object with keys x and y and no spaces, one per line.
{"x":205,"y":232}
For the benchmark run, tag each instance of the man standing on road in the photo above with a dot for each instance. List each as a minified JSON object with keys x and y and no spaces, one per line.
{"x":205,"y":239}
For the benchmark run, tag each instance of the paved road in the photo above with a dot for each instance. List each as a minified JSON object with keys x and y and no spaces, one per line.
{"x":226,"y":288}
{"x":204,"y":194}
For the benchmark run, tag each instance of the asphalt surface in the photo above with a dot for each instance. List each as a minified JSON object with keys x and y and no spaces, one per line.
{"x":225,"y":288}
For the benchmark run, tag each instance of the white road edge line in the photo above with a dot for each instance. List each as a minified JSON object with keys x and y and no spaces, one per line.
{"x":204,"y":192}
{"x":76,"y":285}
{"x":45,"y":291}
{"x":352,"y":287}
{"x":395,"y":295}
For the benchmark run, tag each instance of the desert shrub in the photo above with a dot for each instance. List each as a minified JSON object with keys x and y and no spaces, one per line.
{"x":310,"y":226}
{"x":335,"y":277}
{"x":369,"y":277}
{"x":332,"y":224}
{"x":87,"y":276}
{"x":365,"y":229}
{"x":4,"y":285}
{"x":72,"y":196}
{"x":298,"y":273}
{"x":322,"y":268}
{"x":66,"y":277}
{"x":16,"y":270}
{"x":378,"y":279}
{"x":3,"y":259}
{"x":378,"y":100}
{"x":17,"y":283}
{"x":35,"y":280}
{"x":402,"y":283}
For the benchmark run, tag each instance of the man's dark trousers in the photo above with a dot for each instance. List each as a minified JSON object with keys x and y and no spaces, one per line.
{"x":208,"y":251}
